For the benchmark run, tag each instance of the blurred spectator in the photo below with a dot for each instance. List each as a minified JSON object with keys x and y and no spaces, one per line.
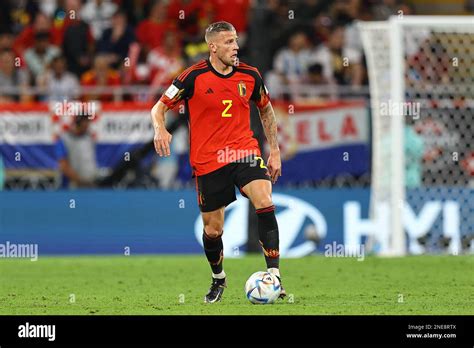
{"x":406,"y":9}
{"x":136,"y":10}
{"x":414,"y":151}
{"x":6,"y":41}
{"x":322,"y":25}
{"x":116,"y":41}
{"x":98,"y":14}
{"x":386,"y":9}
{"x":77,"y":39}
{"x":469,"y":5}
{"x":6,"y":22}
{"x":18,"y":14}
{"x":197,"y":49}
{"x":157,"y":69}
{"x":233,"y":11}
{"x":41,"y":54}
{"x":290,"y":64}
{"x":190,"y":16}
{"x":101,"y":75}
{"x":262,"y":44}
{"x":275,"y":18}
{"x":315,"y":75}
{"x":57,"y":84}
{"x":167,"y":169}
{"x":430,"y":64}
{"x":76,"y":154}
{"x":48,"y":7}
{"x":138,"y":73}
{"x":341,"y":64}
{"x":41,"y":23}
{"x":347,"y":16}
{"x":307,"y":10}
{"x":151,"y":31}
{"x":165,"y":62}
{"x":13,"y":79}
{"x":292,"y":61}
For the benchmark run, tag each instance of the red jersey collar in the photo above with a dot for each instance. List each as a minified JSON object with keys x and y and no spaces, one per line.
{"x":234,"y":69}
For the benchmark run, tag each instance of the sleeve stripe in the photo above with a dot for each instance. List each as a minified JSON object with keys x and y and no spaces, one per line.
{"x":246,"y":66}
{"x":251,"y":69}
{"x":186,"y":72}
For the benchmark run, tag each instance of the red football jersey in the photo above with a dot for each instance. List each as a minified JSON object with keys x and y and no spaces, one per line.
{"x":219,"y":112}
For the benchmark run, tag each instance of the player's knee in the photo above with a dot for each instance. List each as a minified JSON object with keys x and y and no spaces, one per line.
{"x":264,"y":202}
{"x":213,"y":230}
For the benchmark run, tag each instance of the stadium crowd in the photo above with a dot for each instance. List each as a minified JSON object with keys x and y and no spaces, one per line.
{"x":52,"y":50}
{"x":130,"y":50}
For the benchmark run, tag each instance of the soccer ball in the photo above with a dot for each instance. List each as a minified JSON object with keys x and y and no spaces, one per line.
{"x":262,"y":288}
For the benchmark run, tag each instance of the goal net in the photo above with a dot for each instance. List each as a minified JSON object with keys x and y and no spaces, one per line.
{"x":421,"y":76}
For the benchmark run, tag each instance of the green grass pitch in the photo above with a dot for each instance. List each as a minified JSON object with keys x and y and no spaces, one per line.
{"x":155,"y":285}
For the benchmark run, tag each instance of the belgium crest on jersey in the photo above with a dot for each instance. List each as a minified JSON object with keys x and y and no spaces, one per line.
{"x":242,"y":89}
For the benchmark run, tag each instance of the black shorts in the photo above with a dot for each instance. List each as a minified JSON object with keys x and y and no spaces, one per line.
{"x":216,"y":189}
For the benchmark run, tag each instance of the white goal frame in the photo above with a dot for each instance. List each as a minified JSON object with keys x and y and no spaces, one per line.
{"x":394,"y":27}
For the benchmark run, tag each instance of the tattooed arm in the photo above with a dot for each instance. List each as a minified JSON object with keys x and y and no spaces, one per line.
{"x":267,"y":116}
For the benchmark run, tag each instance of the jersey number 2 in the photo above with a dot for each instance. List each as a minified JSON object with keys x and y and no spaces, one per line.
{"x":228,"y":104}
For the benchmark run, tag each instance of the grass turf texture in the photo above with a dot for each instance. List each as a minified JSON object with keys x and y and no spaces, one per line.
{"x":156,"y":284}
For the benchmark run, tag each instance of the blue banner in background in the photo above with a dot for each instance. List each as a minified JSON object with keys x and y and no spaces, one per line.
{"x":113,"y":222}
{"x":107,"y":222}
{"x":328,"y":163}
{"x":41,"y":156}
{"x":83,"y":222}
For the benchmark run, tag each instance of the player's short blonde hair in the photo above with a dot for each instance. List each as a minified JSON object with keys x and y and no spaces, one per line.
{"x":216,"y":28}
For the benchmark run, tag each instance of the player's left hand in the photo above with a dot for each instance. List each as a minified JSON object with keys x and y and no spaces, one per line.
{"x":274,"y":165}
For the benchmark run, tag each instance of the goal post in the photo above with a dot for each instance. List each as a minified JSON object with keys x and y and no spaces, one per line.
{"x":410,"y":62}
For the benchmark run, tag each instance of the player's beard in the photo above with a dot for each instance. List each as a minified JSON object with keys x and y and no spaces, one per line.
{"x":232,"y":61}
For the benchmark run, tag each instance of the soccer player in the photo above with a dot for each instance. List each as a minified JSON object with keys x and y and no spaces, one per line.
{"x":223,"y":152}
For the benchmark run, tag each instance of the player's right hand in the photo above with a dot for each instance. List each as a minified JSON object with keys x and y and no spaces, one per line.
{"x":162,"y":141}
